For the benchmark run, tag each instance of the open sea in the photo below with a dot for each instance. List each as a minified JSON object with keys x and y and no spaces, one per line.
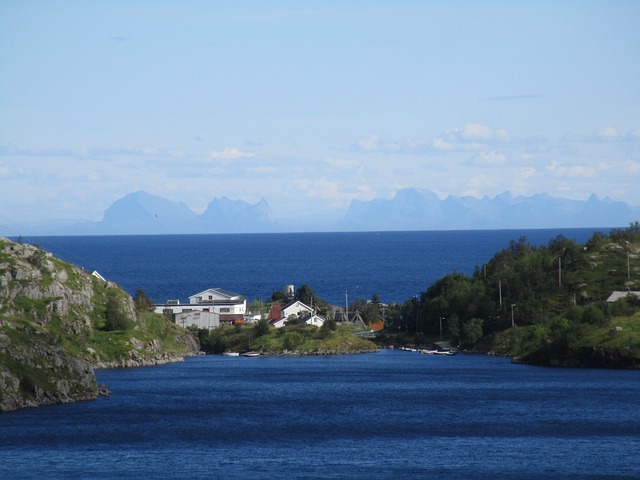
{"x":395,"y":265}
{"x":386,"y":415}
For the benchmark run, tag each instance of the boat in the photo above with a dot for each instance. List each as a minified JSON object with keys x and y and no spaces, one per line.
{"x":250,"y":354}
{"x":438,"y":352}
{"x":231,"y":354}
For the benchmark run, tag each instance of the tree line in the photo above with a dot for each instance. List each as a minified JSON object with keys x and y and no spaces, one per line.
{"x":524,"y":285}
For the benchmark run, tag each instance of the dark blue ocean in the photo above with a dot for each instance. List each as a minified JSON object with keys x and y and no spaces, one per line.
{"x":389,"y":415}
{"x":395,"y":265}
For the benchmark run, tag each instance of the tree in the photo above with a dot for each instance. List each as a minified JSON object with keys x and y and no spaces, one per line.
{"x":115,"y":316}
{"x":278,"y":296}
{"x":294,"y":320}
{"x":261,"y":328}
{"x":329,"y":325}
{"x":142,"y":302}
{"x":471,"y":332}
{"x":393,"y":318}
{"x":305,"y":295}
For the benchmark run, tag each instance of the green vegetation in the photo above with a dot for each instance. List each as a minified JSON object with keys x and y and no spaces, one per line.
{"x":57,"y":322}
{"x":537,"y":302}
{"x":291,"y":339}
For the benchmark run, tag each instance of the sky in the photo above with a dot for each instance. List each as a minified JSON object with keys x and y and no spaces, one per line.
{"x":312,"y":104}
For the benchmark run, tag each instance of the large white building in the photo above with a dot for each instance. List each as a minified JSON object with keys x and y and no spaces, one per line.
{"x":229,"y":308}
{"x":198,"y":319}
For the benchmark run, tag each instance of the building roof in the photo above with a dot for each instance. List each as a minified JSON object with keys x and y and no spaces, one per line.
{"x":615,"y":296}
{"x":297,"y":302}
{"x":219,"y":292}
{"x":274,"y":313}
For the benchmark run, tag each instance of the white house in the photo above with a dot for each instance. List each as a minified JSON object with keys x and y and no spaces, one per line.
{"x":295,"y":308}
{"x":197,"y":318}
{"x":314,"y":320}
{"x":229,"y":307}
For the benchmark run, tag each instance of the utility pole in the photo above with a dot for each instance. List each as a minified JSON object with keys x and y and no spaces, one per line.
{"x":346,"y":301}
{"x":512,"y":322}
{"x":500,"y":290}
{"x":440,"y":328}
{"x":559,"y":271}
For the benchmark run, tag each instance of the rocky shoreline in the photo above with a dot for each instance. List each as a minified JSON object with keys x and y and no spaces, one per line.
{"x":316,"y":353}
{"x":584,"y":357}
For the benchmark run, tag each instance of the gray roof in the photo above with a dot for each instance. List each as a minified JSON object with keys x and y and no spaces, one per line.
{"x":615,"y":296}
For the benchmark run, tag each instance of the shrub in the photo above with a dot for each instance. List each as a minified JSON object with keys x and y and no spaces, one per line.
{"x":115,"y":316}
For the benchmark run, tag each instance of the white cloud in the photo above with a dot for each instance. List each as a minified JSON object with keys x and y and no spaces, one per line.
{"x":489,"y":158}
{"x":502,"y":135}
{"x":230,"y":154}
{"x":527,"y":172}
{"x":330,"y":191}
{"x":476,"y":131}
{"x":607,"y":134}
{"x":440,"y":144}
{"x":473,"y":136}
{"x":369,"y":142}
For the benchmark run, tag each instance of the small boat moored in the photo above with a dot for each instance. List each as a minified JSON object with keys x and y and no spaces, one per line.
{"x":250,"y":354}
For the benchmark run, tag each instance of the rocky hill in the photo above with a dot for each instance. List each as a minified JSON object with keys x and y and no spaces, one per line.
{"x":58,"y":323}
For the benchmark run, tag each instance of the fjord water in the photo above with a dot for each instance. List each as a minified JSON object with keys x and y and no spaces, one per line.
{"x":387,"y":415}
{"x":394,"y":265}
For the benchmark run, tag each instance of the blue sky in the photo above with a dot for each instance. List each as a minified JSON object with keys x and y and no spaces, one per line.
{"x":311,"y":104}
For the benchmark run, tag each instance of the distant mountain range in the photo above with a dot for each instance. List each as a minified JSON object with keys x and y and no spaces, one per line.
{"x":143,"y":213}
{"x":413,"y":209}
{"x":410,"y":209}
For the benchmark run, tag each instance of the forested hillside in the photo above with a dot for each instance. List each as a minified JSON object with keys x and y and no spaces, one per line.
{"x":541,"y":304}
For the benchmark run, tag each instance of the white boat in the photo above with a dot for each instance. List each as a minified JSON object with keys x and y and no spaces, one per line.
{"x":437,"y":352}
{"x":250,"y":354}
{"x":231,"y":354}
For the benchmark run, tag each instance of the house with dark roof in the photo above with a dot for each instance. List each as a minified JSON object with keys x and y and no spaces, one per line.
{"x":279,"y":314}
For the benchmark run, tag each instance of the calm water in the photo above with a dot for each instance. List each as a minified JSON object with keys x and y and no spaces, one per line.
{"x":395,"y":265}
{"x":386,"y":415}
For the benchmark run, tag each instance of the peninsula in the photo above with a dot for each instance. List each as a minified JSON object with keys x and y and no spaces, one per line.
{"x":58,"y":323}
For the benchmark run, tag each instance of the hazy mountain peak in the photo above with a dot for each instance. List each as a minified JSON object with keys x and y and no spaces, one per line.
{"x":226,"y":215}
{"x":413,"y":209}
{"x":143,"y":207}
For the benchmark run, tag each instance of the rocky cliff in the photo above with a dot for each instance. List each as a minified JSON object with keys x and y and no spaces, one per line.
{"x":58,"y":323}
